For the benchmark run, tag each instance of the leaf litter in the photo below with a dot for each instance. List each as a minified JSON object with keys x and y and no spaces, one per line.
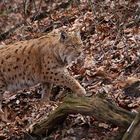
{"x":111,"y":63}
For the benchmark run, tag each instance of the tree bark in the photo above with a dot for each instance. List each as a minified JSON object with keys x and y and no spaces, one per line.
{"x":100,"y":108}
{"x":133,"y":132}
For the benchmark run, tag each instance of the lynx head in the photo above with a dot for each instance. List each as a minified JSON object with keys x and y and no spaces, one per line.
{"x":71,"y":46}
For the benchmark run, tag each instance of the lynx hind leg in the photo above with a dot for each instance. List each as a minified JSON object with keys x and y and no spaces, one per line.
{"x":2,"y":90}
{"x":46,"y":91}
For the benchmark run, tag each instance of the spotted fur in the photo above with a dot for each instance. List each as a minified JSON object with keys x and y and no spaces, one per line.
{"x":42,"y":60}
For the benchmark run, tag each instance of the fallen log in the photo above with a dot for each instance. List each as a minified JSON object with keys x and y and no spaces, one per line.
{"x":133,"y":132}
{"x":98,"y":107}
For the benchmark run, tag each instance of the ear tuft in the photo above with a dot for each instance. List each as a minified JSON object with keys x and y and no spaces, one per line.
{"x":63,"y":36}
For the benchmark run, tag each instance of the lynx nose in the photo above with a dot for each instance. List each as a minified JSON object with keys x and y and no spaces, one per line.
{"x":79,"y":53}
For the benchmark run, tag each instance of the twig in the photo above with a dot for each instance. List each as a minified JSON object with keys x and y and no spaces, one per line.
{"x":40,"y":16}
{"x":92,"y":4}
{"x":6,"y":34}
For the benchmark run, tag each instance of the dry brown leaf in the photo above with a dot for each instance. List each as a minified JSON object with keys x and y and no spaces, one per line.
{"x":130,"y":80}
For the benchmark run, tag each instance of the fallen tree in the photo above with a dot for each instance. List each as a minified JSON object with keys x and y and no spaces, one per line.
{"x":98,"y":107}
{"x":133,"y":132}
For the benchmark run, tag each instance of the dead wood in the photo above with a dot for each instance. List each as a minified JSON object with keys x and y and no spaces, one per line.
{"x":6,"y":34}
{"x":44,"y":14}
{"x":133,"y":132}
{"x":101,"y":109}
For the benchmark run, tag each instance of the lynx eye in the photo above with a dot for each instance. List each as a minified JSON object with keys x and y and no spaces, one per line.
{"x":74,"y":46}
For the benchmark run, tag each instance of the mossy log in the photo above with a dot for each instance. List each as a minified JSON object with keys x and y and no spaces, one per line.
{"x":98,"y":107}
{"x":133,"y":132}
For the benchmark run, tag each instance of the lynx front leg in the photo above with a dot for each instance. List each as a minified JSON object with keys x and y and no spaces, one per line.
{"x":1,"y":98}
{"x":67,"y":80}
{"x":46,"y":90}
{"x":2,"y":90}
{"x":74,"y":85}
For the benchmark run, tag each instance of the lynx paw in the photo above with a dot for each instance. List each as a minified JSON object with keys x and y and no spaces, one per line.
{"x":81,"y":92}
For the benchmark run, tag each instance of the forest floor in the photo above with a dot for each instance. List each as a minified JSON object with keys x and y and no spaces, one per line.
{"x":110,"y":32}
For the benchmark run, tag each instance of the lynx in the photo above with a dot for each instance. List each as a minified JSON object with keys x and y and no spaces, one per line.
{"x":42,"y":60}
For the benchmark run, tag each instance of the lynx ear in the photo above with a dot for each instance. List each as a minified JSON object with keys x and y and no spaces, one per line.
{"x":63,"y":36}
